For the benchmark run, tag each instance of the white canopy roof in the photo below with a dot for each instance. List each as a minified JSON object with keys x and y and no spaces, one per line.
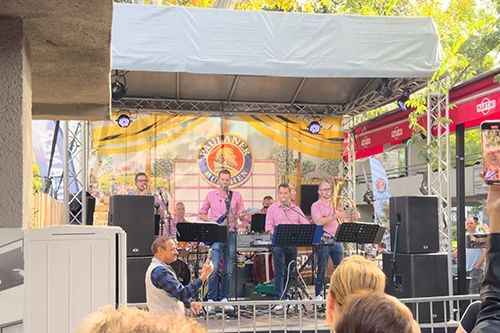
{"x":256,"y":56}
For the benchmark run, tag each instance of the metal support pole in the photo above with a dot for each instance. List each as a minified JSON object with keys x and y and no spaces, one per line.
{"x":460,"y":147}
{"x":65,"y":170}
{"x":84,"y":164}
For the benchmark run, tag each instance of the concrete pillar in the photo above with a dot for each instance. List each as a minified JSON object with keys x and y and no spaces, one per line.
{"x":16,"y":198}
{"x":414,"y":151}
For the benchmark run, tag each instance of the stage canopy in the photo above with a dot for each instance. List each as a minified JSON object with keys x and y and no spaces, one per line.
{"x":191,"y":59}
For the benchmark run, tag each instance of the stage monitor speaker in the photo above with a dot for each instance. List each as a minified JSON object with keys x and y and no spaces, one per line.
{"x":136,"y":274}
{"x":245,"y":275}
{"x":308,"y":195}
{"x":418,"y":228}
{"x":418,"y":275}
{"x":134,"y":214}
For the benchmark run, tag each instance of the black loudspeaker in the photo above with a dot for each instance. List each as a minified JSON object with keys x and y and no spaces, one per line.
{"x":136,"y":275}
{"x":134,"y":214}
{"x":418,"y":224}
{"x":245,"y":276}
{"x":308,"y":195}
{"x":418,"y":275}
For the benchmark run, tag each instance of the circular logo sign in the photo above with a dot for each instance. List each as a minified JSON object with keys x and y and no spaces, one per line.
{"x":380,"y":185}
{"x":225,"y":152}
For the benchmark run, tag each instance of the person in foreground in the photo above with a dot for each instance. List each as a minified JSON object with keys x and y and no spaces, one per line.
{"x":354,"y":274}
{"x":164,"y":292}
{"x":367,"y":312}
{"x":132,"y":320}
{"x":489,"y":318}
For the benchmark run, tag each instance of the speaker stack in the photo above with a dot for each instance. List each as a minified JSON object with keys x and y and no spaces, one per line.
{"x":135,"y":215}
{"x":418,"y":269}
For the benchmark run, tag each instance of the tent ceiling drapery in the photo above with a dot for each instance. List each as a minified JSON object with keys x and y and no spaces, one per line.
{"x":190,"y":59}
{"x":475,"y":100}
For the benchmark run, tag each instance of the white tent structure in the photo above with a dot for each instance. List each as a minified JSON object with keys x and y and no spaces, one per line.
{"x":191,"y":59}
{"x":177,"y":59}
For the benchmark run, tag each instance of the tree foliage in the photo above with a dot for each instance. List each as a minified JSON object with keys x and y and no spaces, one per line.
{"x":330,"y":166}
{"x":308,"y":166}
{"x":283,"y":156}
{"x":164,"y":166}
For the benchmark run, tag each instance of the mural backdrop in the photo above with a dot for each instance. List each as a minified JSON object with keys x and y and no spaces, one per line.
{"x":184,"y":153}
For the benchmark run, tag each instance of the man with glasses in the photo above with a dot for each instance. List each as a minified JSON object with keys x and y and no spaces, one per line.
{"x":143,"y":188}
{"x":323,"y":213}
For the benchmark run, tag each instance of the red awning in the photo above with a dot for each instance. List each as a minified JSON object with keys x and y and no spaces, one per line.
{"x":393,"y":129}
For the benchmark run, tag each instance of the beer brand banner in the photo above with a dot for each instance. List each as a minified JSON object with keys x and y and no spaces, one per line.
{"x":184,"y":153}
{"x":381,"y":194}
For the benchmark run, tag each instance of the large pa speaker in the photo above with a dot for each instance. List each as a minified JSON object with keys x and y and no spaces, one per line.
{"x":136,"y":273}
{"x":418,"y":275}
{"x":134,"y":214}
{"x":418,"y":224}
{"x":308,"y":195}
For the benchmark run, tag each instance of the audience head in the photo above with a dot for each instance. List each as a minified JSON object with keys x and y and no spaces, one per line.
{"x":169,"y":324}
{"x":165,"y":249}
{"x":111,"y":320}
{"x":368,"y":312}
{"x":354,"y":274}
{"x":132,"y":320}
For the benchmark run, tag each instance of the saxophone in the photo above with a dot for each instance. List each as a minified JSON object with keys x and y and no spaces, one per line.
{"x":342,"y":203}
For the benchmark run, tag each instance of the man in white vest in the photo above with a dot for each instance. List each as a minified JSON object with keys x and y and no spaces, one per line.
{"x":164,"y":292}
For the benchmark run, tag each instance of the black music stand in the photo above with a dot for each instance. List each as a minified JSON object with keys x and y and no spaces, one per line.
{"x":359,"y":233}
{"x":201,"y":232}
{"x":258,"y":223}
{"x":287,"y":235}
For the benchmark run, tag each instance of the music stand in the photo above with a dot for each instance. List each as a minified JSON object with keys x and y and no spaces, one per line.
{"x":258,"y":223}
{"x":360,"y":233}
{"x":294,"y":235}
{"x":201,"y":232}
{"x":297,"y":234}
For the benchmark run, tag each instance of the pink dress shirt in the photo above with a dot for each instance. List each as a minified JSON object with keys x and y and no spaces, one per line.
{"x":173,"y":232}
{"x":276,"y":215}
{"x":214,"y":202}
{"x":318,"y":210}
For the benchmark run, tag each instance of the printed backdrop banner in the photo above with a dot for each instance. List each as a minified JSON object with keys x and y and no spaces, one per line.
{"x":184,"y":154}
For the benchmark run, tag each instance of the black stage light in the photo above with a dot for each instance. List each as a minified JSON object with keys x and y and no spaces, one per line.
{"x":384,"y":89}
{"x":118,"y":90}
{"x":403,"y":99}
{"x":123,"y":121}
{"x":314,"y":127}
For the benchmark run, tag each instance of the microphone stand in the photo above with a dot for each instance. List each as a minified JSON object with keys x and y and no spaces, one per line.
{"x":157,"y":209}
{"x":169,"y":216}
{"x":235,"y":230}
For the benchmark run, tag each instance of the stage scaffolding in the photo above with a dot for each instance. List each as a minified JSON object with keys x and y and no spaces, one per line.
{"x":76,"y":143}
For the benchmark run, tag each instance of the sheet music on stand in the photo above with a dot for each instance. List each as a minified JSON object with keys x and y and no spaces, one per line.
{"x":297,"y":234}
{"x":360,"y":233}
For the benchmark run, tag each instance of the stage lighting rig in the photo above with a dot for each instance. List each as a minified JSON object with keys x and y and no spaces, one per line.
{"x":314,"y":127}
{"x":403,"y":99}
{"x":384,"y":89}
{"x":123,"y":120}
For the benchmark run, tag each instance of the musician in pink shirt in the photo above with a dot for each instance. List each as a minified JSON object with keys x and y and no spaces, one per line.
{"x":323,"y":213}
{"x":214,"y":210}
{"x":283,"y":212}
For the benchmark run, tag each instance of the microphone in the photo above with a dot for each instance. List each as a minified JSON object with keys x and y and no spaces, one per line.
{"x":283,"y":202}
{"x":158,"y":188}
{"x":144,"y":188}
{"x":225,"y":188}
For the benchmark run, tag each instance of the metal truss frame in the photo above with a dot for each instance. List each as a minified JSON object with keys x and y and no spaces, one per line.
{"x":439,"y":167}
{"x":75,"y":146}
{"x":347,"y":167}
{"x":365,"y":101}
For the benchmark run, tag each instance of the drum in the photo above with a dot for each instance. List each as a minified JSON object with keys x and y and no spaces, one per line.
{"x":182,"y":271}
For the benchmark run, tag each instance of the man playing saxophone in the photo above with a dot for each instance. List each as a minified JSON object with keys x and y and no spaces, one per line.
{"x":323,"y":213}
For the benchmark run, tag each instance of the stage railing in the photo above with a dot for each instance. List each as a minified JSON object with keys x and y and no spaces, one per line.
{"x":309,"y":316}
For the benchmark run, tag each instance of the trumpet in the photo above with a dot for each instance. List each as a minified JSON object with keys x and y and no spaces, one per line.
{"x":342,"y":203}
